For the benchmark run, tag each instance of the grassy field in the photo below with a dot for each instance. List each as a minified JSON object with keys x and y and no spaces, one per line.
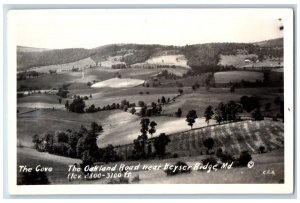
{"x":47,"y":120}
{"x":238,"y":76}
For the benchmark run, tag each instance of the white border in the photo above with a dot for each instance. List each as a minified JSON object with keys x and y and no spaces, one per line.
{"x":286,"y":188}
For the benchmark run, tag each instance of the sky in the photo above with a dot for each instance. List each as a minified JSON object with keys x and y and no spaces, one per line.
{"x":58,"y":29}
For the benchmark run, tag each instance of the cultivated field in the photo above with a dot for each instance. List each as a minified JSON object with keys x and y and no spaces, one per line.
{"x":118,"y":83}
{"x":81,"y":64}
{"x":177,"y":60}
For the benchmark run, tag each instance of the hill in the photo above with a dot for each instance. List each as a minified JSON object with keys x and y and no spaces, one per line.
{"x":232,"y":137}
{"x":278,"y":42}
{"x":30,"y":49}
{"x":201,"y":57}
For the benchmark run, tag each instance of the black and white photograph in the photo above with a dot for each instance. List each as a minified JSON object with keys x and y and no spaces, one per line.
{"x":122,"y":97}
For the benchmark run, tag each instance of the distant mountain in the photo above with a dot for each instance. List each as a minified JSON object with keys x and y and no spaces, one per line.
{"x":278,"y":42}
{"x":199,"y":56}
{"x":30,"y":49}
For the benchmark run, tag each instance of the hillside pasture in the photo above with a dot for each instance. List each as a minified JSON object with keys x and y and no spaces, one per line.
{"x":81,"y":64}
{"x":249,"y":61}
{"x":73,"y":78}
{"x":176,"y":60}
{"x":238,"y":76}
{"x":48,"y":120}
{"x":125,"y":133}
{"x":237,"y":61}
{"x":60,"y":165}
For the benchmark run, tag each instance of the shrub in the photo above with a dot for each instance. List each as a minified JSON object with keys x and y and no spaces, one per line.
{"x":209,"y":160}
{"x":261,"y":149}
{"x":135,"y":179}
{"x":227,"y":158}
{"x":244,"y":158}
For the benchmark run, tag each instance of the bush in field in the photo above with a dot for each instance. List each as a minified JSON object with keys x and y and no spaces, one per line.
{"x":225,"y":157}
{"x":249,"y":103}
{"x":180,"y":164}
{"x":141,"y":103}
{"x":179,"y":112}
{"x":244,"y":158}
{"x":33,"y":178}
{"x":209,"y":144}
{"x":135,"y":179}
{"x":133,"y":110}
{"x":209,"y":161}
{"x":261,"y":149}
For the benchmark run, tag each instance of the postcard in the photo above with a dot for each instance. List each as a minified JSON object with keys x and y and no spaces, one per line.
{"x":151,"y":101}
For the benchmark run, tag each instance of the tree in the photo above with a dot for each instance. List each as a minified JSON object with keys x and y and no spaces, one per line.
{"x":144,"y":126}
{"x":36,"y":141}
{"x":179,"y":112}
{"x":109,"y":154}
{"x":190,"y":118}
{"x":141,"y":103}
{"x":232,"y":109}
{"x":77,"y":105}
{"x":143,"y":111}
{"x":232,"y":88}
{"x":95,"y":128}
{"x":257,"y":115}
{"x":208,"y":114}
{"x":160,"y":144}
{"x":132,"y":111}
{"x":33,"y":178}
{"x":152,"y":129}
{"x":268,"y":106}
{"x":244,"y":158}
{"x":163,"y":100}
{"x":208,"y":143}
{"x":220,"y":113}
